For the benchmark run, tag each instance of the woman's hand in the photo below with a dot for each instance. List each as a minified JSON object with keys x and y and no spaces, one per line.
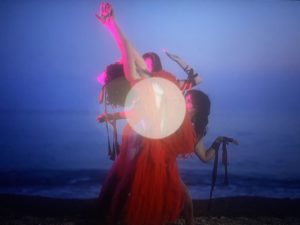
{"x":227,"y":140}
{"x":105,"y":13}
{"x":172,"y":56}
{"x":104,"y":117}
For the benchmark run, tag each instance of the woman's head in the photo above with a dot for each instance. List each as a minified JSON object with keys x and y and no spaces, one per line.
{"x":153,"y":62}
{"x":198,"y":105}
{"x":115,"y":84}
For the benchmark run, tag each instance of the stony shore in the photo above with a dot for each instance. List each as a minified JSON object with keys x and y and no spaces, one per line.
{"x":29,"y":210}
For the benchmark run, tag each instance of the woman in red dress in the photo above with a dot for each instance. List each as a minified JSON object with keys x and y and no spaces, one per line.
{"x":147,"y":166}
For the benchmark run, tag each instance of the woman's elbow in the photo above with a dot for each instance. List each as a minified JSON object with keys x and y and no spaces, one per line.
{"x":204,"y":160}
{"x":201,"y":156}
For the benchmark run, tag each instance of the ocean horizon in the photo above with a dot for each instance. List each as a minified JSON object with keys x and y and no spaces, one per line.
{"x":45,"y":157}
{"x":86,"y":184}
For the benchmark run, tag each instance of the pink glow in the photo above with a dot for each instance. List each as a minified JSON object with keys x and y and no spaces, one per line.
{"x":149,"y":64}
{"x":101,"y":78}
{"x":159,"y":110}
{"x":189,"y":103}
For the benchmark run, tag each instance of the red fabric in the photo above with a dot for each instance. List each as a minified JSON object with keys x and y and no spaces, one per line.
{"x":147,"y":169}
{"x":114,"y":192}
{"x":157,"y":195}
{"x":166,"y":75}
{"x":187,"y":85}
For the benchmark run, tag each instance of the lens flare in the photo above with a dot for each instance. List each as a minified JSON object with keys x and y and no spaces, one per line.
{"x":155,"y":108}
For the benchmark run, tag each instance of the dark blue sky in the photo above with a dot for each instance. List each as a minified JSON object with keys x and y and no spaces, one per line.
{"x":248,"y":53}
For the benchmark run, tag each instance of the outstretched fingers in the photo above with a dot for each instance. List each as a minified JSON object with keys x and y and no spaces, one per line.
{"x":105,"y":13}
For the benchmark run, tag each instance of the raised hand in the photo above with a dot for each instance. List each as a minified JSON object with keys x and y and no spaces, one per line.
{"x":105,"y":13}
{"x":171,"y":56}
{"x":180,"y":62}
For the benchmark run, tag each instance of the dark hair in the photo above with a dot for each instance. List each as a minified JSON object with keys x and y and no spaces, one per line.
{"x":116,"y":85}
{"x":155,"y":59}
{"x":201,"y":104}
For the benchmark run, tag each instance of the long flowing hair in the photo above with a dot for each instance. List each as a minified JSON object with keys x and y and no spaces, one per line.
{"x":116,"y":85}
{"x":201,"y":104}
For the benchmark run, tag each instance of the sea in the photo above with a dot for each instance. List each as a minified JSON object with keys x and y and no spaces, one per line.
{"x":86,"y":184}
{"x":64,"y":155}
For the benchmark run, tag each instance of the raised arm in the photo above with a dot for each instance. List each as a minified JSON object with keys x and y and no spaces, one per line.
{"x":132,"y":61}
{"x":193,"y":77}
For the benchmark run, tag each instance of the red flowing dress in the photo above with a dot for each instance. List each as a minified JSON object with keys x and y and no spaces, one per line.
{"x":157,"y":195}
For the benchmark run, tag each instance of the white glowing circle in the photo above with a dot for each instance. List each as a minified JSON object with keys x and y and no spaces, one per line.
{"x":155,"y":108}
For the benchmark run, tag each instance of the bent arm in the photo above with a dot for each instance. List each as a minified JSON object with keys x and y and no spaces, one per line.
{"x":206,"y":155}
{"x":123,"y":44}
{"x":129,"y":55}
{"x":193,"y":78}
{"x":203,"y":154}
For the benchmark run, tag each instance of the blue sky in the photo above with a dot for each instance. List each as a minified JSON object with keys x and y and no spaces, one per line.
{"x":248,"y":53}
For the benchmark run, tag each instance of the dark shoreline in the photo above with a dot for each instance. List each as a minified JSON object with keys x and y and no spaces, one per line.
{"x":18,"y":209}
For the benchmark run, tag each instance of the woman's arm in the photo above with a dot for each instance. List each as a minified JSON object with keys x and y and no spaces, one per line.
{"x":203,"y":154}
{"x":193,"y":78}
{"x":110,"y":116}
{"x":129,"y":55}
{"x":206,"y":155}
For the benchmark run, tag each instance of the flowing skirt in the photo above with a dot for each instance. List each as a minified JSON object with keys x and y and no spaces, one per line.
{"x":157,"y":194}
{"x":116,"y":188}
